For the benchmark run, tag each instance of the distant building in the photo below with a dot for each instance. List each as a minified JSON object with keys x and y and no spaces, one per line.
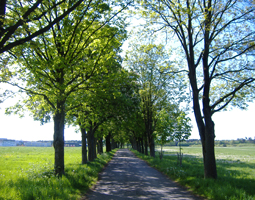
{"x":37,"y":144}
{"x":4,"y":142}
{"x":7,"y":142}
{"x":72,"y":144}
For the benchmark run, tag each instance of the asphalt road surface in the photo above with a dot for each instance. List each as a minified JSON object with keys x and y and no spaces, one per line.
{"x":127,"y":177}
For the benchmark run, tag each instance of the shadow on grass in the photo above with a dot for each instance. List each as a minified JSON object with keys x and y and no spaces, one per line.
{"x":238,"y":175}
{"x":234,"y":163}
{"x":42,"y":184}
{"x":231,"y":183}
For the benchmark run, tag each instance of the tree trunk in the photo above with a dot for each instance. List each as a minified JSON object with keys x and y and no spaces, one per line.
{"x":151,"y":140}
{"x":138,"y":145}
{"x":206,"y":125}
{"x":206,"y":132}
{"x":210,"y":170}
{"x":100,"y":145}
{"x":84,"y":146}
{"x":108,"y":142}
{"x":152,"y":146}
{"x":146,"y":145}
{"x":208,"y":136}
{"x":134,"y":142}
{"x":95,"y":147}
{"x":113,"y":144}
{"x":2,"y":16}
{"x":142,"y":146}
{"x":91,"y":143}
{"x":148,"y":119}
{"x":58,"y":141}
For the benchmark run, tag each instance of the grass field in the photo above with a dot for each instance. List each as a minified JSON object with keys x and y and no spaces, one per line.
{"x":27,"y":173}
{"x":235,"y":166}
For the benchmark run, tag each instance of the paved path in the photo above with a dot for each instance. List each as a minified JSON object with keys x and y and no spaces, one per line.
{"x":127,"y":177}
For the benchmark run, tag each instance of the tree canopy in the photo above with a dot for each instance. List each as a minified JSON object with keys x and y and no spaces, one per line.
{"x":73,"y":56}
{"x":19,"y":19}
{"x":156,"y":88}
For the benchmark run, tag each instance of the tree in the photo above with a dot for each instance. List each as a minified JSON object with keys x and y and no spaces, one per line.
{"x":173,"y":124}
{"x":135,"y":129}
{"x":92,"y":106}
{"x":182,"y":131}
{"x":150,"y":64}
{"x":217,"y":41}
{"x":109,"y":102}
{"x":18,"y":19}
{"x":164,"y":129}
{"x":84,"y":151}
{"x":65,"y":60}
{"x":119,"y":103}
{"x":17,"y":25}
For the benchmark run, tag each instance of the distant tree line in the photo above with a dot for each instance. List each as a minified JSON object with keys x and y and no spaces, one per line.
{"x":220,"y":143}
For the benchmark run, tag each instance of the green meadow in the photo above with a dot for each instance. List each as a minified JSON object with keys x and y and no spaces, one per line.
{"x":26,"y":173}
{"x":235,"y":165}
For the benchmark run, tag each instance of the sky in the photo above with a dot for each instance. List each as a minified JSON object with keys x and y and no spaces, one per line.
{"x":231,"y":124}
{"x":228,"y":125}
{"x":26,"y":129}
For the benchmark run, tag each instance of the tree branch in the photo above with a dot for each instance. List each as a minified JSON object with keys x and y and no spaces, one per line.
{"x":31,"y":92}
{"x":231,"y":94}
{"x":35,"y":34}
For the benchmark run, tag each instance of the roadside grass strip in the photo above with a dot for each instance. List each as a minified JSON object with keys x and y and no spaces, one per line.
{"x":236,"y":172}
{"x":26,"y":173}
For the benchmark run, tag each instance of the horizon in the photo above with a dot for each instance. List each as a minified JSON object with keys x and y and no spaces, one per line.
{"x":80,"y":140}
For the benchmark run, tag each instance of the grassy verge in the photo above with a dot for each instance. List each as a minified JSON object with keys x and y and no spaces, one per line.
{"x":26,"y":173}
{"x":236,"y":172}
